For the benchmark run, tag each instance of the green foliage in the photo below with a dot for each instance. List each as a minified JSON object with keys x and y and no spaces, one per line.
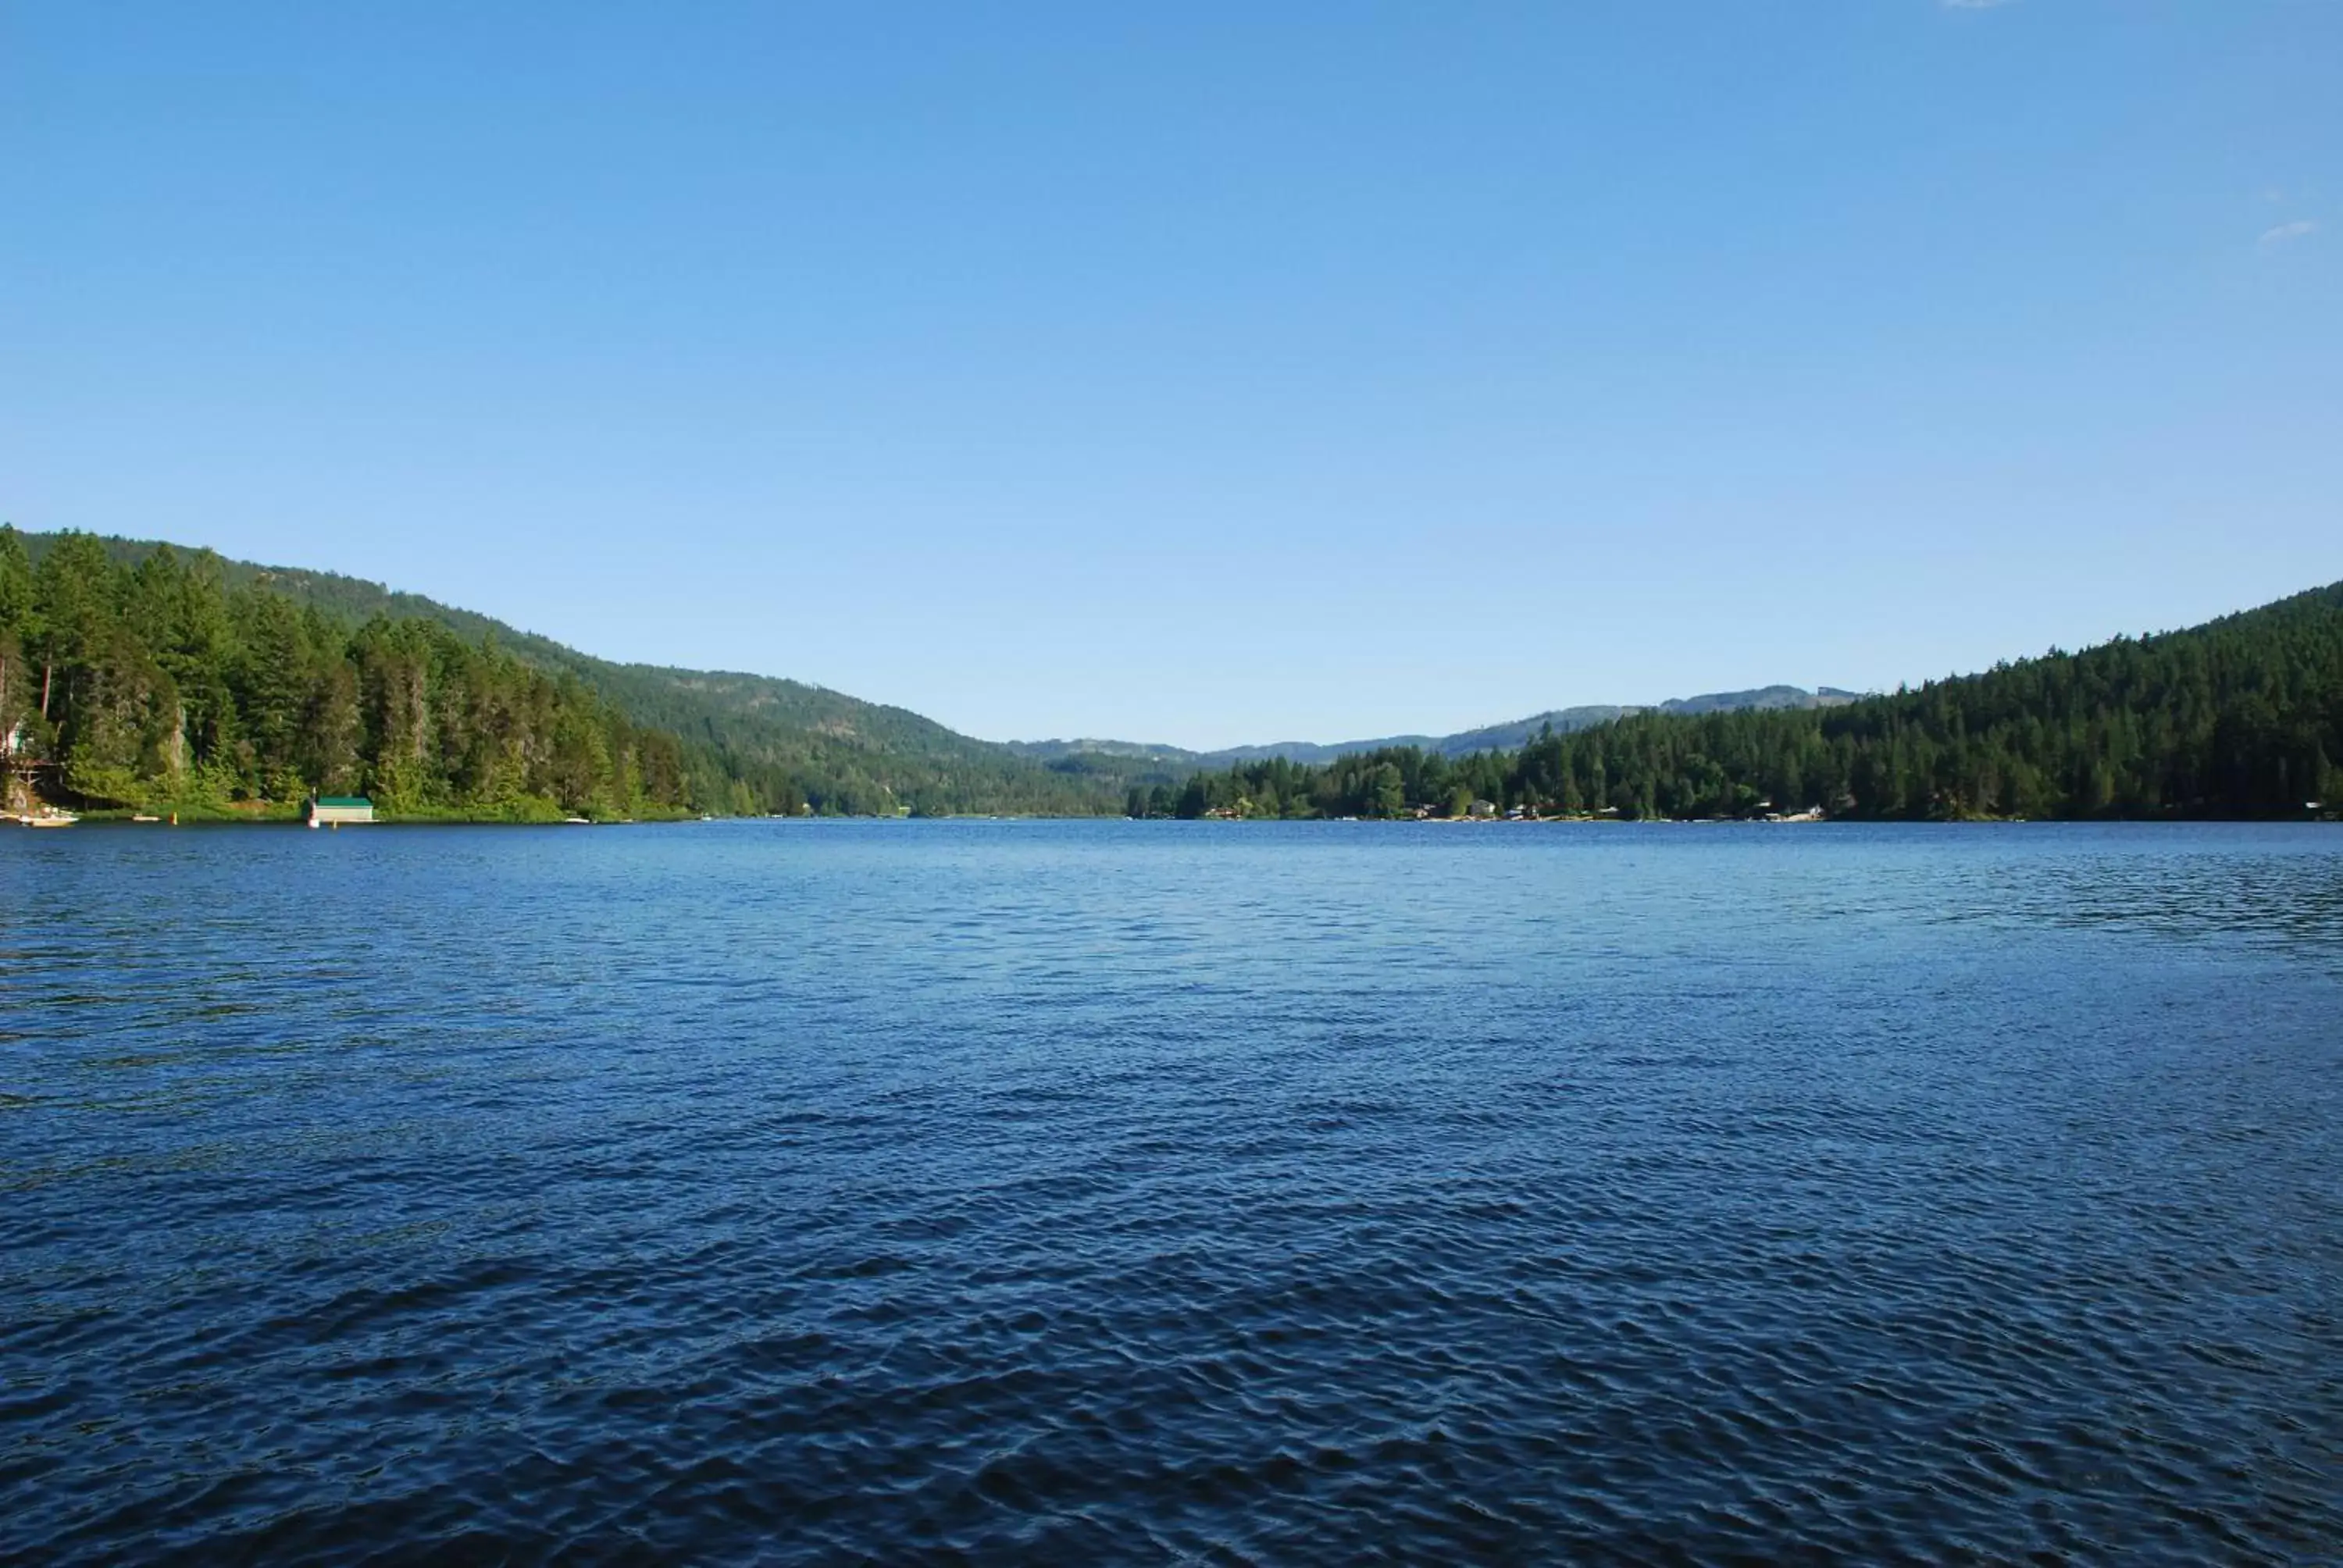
{"x":253,"y":654}
{"x":161,"y":676}
{"x":2240,"y":717}
{"x":156,"y":681}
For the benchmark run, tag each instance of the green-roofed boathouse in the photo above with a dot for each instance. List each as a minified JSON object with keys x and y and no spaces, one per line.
{"x":333,"y":810}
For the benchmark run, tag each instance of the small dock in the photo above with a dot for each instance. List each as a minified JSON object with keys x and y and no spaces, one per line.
{"x":333,"y":810}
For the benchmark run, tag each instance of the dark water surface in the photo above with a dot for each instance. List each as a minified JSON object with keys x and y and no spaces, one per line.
{"x":1151,"y":1192}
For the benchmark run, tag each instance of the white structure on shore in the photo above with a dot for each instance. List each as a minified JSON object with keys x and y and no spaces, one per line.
{"x":333,"y":810}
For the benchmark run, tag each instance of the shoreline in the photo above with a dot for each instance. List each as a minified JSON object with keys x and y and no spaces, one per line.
{"x":145,"y":817}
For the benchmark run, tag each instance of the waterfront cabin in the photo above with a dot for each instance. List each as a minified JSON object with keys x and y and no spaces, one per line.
{"x":333,"y":810}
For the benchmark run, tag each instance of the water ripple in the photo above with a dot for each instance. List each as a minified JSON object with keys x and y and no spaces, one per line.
{"x":1020,"y":1192}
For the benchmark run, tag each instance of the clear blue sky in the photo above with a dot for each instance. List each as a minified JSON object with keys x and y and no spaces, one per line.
{"x":1199,"y":373}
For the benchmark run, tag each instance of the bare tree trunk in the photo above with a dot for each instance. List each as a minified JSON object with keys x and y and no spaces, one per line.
{"x":46,"y":670}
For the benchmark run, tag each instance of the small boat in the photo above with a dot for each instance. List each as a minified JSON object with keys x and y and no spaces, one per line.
{"x":141,"y":817}
{"x":48,"y":820}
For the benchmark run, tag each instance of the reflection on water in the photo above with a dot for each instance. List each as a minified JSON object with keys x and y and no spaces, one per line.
{"x":1075,"y":1191}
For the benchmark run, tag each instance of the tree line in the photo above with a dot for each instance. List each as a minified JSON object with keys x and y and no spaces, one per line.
{"x":153,"y":676}
{"x":161,"y":684}
{"x":747,"y":745}
{"x":2240,"y":717}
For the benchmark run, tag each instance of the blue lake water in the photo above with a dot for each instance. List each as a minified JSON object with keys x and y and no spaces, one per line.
{"x":798,"y":1191}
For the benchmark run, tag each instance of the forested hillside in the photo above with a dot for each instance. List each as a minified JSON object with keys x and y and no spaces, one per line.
{"x":737,"y":743}
{"x":162,"y":684}
{"x":1569,"y":720}
{"x":158,"y":677}
{"x":1506,"y":737}
{"x":2240,"y":717}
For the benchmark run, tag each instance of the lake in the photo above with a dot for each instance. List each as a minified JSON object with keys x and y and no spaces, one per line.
{"x":1148,"y":1191}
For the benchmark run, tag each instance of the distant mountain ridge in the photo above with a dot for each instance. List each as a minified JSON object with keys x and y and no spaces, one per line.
{"x":1503,"y":736}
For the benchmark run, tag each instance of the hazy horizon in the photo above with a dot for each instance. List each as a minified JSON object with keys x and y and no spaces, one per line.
{"x":1211,"y":379}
